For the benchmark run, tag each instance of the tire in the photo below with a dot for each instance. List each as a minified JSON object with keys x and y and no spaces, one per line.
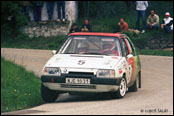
{"x":137,"y":84}
{"x":121,"y":90}
{"x":48,"y":95}
{"x":139,"y":79}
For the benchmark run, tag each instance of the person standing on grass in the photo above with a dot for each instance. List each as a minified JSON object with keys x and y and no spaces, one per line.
{"x":50,"y":8}
{"x":61,"y":7}
{"x":26,"y":6}
{"x":153,"y":20}
{"x":167,"y":23}
{"x":141,"y":7}
{"x":37,"y":10}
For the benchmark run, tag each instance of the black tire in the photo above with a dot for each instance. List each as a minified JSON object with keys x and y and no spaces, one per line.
{"x":137,"y":84}
{"x":48,"y":95}
{"x":121,"y":91}
{"x":139,"y":79}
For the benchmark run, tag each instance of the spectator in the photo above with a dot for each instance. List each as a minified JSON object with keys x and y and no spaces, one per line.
{"x":167,"y":23}
{"x":74,"y":29}
{"x":86,"y":27}
{"x":153,"y":20}
{"x":50,"y":8}
{"x":37,"y":10}
{"x":25,"y":8}
{"x":123,"y":25}
{"x":61,"y":5}
{"x":141,"y":7}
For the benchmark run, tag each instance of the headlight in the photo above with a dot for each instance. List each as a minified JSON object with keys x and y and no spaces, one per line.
{"x":106,"y":73}
{"x":52,"y":71}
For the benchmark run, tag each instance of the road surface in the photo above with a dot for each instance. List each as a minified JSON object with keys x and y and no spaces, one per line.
{"x":155,"y":96}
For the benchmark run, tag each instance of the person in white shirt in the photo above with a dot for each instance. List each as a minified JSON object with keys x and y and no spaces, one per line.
{"x":141,"y":7}
{"x":167,"y":23}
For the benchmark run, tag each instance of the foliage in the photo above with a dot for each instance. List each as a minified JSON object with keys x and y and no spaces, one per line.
{"x":11,"y":18}
{"x":154,"y":52}
{"x":118,"y":9}
{"x":24,"y":41}
{"x":103,"y":17}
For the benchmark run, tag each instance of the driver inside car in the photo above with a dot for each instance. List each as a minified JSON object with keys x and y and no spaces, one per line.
{"x":82,"y":47}
{"x":109,"y":48}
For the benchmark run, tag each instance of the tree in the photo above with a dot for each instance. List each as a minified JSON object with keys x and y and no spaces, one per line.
{"x":11,"y":17}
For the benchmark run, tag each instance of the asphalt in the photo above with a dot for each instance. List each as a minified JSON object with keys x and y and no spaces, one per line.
{"x":155,"y":96}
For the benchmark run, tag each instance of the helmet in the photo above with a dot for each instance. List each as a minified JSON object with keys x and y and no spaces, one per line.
{"x":108,"y":48}
{"x":82,"y":47}
{"x":108,"y":45}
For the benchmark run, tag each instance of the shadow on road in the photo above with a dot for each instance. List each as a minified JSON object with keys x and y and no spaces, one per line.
{"x":23,"y":112}
{"x":63,"y":98}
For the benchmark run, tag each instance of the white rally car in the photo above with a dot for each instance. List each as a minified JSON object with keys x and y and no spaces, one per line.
{"x":92,"y":63}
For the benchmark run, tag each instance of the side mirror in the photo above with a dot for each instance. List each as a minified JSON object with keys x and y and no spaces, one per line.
{"x":54,"y":52}
{"x":129,"y":56}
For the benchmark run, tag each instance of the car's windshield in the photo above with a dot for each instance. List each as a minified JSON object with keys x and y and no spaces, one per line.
{"x":94,"y":45}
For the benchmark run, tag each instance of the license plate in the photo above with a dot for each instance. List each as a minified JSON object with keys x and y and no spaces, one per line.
{"x":77,"y":81}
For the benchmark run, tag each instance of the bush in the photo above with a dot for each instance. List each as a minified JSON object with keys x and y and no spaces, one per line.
{"x":11,"y":18}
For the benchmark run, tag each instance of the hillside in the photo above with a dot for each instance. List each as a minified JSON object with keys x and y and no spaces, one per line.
{"x":103,"y":17}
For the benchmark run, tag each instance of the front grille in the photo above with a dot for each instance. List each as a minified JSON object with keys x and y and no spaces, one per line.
{"x":78,"y":86}
{"x":81,"y":73}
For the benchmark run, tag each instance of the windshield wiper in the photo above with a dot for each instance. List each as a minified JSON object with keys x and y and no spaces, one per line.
{"x":95,"y":53}
{"x":69,"y":53}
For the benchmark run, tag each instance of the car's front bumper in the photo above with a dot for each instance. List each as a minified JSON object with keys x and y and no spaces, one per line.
{"x":96,"y":84}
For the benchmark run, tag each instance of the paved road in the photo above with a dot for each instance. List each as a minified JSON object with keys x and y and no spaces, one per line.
{"x":155,"y":96}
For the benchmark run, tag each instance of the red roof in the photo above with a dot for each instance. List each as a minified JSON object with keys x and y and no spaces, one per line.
{"x":96,"y":33}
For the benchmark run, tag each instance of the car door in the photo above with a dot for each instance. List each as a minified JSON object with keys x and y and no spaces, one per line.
{"x":130,"y":57}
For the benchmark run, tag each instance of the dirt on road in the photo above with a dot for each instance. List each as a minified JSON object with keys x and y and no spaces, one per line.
{"x":155,"y":96}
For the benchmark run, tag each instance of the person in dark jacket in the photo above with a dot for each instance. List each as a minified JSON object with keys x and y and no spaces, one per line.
{"x":74,"y":28}
{"x":167,"y":23}
{"x":86,"y":27}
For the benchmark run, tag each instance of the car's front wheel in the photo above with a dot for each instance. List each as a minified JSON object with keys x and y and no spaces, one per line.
{"x":48,"y":95}
{"x":121,"y":90}
{"x":137,"y":84}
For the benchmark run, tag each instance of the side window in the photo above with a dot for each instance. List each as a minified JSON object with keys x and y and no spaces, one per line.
{"x":126,"y":52}
{"x":130,"y":46}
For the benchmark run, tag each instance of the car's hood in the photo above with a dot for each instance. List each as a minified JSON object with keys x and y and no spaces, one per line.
{"x":83,"y":61}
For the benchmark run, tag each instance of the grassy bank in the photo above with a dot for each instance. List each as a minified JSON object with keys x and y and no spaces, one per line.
{"x":98,"y":25}
{"x":154,"y":52}
{"x":23,"y":41}
{"x":103,"y":17}
{"x":19,"y":89}
{"x":52,"y":43}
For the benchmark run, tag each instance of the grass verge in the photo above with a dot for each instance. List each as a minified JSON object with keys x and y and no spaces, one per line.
{"x":155,"y":52}
{"x":24,"y":41}
{"x":98,"y":25}
{"x":19,"y":89}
